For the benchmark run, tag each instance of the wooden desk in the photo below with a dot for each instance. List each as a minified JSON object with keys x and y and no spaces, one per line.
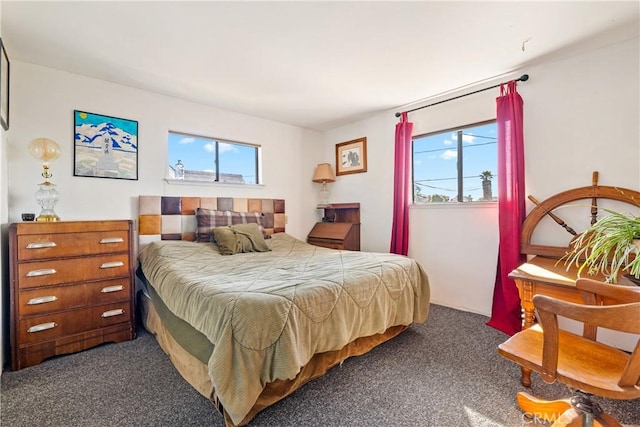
{"x":343,"y":232}
{"x":335,"y":235}
{"x":544,"y":273}
{"x":547,"y":276}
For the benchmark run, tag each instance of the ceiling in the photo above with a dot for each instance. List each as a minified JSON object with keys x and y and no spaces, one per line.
{"x":316,"y":65}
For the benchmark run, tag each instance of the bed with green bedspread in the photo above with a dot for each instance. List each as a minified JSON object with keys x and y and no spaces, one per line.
{"x":266,"y":314}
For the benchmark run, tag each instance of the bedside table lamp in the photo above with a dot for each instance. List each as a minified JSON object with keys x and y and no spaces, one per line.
{"x":46,"y":150}
{"x":323,"y":175}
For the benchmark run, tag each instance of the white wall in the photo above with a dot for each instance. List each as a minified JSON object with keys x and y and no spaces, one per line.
{"x":43,"y":101}
{"x":580,"y":114}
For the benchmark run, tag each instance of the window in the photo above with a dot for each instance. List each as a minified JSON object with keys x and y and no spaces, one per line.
{"x":202,"y":159}
{"x":456,"y":165}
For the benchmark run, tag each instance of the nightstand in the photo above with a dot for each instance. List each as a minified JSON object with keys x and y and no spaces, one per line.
{"x":340,"y":228}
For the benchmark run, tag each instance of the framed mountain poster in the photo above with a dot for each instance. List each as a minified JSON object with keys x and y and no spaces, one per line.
{"x":105,"y":146}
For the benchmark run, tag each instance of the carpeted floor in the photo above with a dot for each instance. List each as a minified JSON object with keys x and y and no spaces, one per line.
{"x":445,"y":372}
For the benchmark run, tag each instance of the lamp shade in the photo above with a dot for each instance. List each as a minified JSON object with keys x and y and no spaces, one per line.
{"x":324,"y":173}
{"x":44,"y":149}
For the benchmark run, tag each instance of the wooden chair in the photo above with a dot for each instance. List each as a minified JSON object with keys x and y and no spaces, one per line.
{"x":580,"y":361}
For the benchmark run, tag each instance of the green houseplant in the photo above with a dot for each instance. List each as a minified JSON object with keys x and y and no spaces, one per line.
{"x":611,"y":246}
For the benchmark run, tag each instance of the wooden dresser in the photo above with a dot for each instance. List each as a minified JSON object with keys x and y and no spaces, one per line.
{"x":71,"y":287}
{"x":341,"y":230}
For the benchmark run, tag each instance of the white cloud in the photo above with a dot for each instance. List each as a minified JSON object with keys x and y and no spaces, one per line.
{"x":468,"y":138}
{"x":449,"y":154}
{"x":186,"y":140}
{"x":223,"y":147}
{"x":465,"y":138}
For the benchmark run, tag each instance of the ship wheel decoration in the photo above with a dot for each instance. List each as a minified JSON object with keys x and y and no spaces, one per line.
{"x":594,"y":192}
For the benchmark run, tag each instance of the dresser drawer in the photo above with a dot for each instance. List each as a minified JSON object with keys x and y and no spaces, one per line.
{"x":52,"y":326}
{"x":54,"y":245}
{"x":55,"y":272}
{"x":50,"y":299}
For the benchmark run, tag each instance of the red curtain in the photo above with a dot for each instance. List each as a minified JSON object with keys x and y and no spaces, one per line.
{"x":401,"y":187}
{"x":505,"y":312}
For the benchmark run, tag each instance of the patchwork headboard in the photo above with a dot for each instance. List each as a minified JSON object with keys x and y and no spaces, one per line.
{"x":174,"y":217}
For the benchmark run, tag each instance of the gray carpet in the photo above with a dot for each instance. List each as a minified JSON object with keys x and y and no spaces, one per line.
{"x":445,"y":372}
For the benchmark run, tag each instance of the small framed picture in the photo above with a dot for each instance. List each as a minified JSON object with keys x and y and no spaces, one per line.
{"x":4,"y":87}
{"x":105,"y":146}
{"x":351,"y":156}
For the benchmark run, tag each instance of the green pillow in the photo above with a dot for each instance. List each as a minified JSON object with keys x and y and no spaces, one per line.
{"x":250,"y":238}
{"x":227,"y":240}
{"x":240,"y":238}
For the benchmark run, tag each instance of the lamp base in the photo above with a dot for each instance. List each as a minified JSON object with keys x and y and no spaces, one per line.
{"x":47,"y":218}
{"x":324,"y":194}
{"x":47,"y":197}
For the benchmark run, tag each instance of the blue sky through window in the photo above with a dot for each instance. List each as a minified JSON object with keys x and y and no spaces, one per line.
{"x":198,"y":154}
{"x":435,"y":159}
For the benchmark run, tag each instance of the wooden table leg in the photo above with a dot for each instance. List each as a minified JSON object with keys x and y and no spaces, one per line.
{"x":525,"y":377}
{"x":528,"y":319}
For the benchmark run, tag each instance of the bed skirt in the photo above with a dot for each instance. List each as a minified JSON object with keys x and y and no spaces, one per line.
{"x":196,"y":373}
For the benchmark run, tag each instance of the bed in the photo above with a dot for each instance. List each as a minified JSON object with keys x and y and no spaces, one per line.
{"x":249,"y":328}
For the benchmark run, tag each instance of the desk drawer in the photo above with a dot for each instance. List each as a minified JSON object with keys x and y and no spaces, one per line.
{"x":331,"y":244}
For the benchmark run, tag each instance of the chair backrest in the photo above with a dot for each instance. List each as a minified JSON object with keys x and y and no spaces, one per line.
{"x":595,"y":292}
{"x":617,"y":294}
{"x":613,"y":307}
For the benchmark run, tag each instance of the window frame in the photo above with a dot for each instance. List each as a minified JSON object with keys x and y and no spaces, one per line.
{"x":216,"y":142}
{"x":459,"y":171}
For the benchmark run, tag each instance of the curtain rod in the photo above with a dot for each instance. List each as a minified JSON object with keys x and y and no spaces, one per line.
{"x":522,"y":78}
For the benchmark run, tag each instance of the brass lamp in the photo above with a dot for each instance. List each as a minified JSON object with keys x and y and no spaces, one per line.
{"x":46,"y":150}
{"x":324,"y":174}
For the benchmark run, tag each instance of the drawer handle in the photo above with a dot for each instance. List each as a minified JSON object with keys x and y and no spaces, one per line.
{"x":111,"y":313}
{"x":42,"y":300}
{"x":41,"y":245}
{"x":42,"y":327}
{"x":112,"y":240}
{"x":115,"y":288}
{"x":112,"y":264}
{"x":41,"y":272}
